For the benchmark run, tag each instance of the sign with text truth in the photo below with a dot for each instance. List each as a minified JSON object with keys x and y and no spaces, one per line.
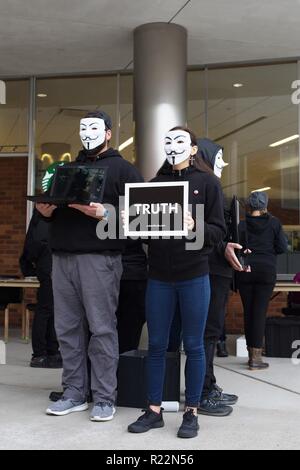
{"x":156,"y":209}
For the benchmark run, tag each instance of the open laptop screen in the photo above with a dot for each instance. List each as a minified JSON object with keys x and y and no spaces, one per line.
{"x":80,"y":183}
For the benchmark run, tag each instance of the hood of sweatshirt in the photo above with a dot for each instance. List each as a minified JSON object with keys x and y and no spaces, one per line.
{"x":257,"y":224}
{"x":208,"y":150}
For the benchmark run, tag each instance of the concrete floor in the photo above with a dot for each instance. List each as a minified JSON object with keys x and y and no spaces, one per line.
{"x":266,"y":417}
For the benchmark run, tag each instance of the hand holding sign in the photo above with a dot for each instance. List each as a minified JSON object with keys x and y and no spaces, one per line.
{"x":189,"y":221}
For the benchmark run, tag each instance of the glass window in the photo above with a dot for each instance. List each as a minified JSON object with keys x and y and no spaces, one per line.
{"x":61,"y":103}
{"x":126,"y":140}
{"x":249,"y":113}
{"x":14,"y":117}
{"x":196,"y":102}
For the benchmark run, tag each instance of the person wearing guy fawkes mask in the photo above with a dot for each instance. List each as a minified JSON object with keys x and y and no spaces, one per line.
{"x":178,"y":275}
{"x":86,"y":279}
{"x":214,"y":402}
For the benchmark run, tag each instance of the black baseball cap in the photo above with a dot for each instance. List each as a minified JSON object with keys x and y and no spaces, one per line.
{"x":100,"y":115}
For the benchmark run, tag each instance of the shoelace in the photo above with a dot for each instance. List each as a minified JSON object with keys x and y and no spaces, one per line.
{"x":146,"y":414}
{"x":102,"y":404}
{"x":212,"y":403}
{"x":219,"y":389}
{"x":189,"y":415}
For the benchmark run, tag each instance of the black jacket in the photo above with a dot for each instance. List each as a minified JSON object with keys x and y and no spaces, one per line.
{"x":36,"y":256}
{"x":264,"y":236}
{"x":168,"y":259}
{"x":134,"y":261}
{"x":72,"y":231}
{"x":218,"y":265}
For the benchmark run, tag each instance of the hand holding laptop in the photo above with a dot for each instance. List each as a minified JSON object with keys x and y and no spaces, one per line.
{"x":95,"y":209}
{"x":46,"y":209}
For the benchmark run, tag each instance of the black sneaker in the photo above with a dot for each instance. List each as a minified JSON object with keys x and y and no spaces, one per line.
{"x":39,"y":362}
{"x":223,"y":398}
{"x":55,"y":396}
{"x":149,"y":420}
{"x":55,"y":362}
{"x":190,"y":426}
{"x":211,"y":407}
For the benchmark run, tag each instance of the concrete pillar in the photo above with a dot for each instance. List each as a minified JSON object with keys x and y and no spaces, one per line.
{"x":160,"y":89}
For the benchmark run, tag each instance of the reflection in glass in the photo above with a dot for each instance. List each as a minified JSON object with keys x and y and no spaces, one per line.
{"x":248,"y":121}
{"x":65,"y":102}
{"x":14,"y":117}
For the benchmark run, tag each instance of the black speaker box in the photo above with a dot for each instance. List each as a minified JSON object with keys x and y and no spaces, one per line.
{"x":132,"y":382}
{"x":281,"y":336}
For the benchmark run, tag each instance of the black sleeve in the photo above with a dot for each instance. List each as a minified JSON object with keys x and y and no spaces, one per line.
{"x":214,"y":222}
{"x":130,"y":174}
{"x":280,"y":241}
{"x":29,"y":254}
{"x":221,"y":246}
{"x":242,"y":234}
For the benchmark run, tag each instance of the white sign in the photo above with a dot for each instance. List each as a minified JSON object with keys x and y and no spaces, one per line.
{"x":2,"y":92}
{"x":156,"y":209}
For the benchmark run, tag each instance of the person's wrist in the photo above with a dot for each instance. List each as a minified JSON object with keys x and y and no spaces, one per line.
{"x":105,"y":214}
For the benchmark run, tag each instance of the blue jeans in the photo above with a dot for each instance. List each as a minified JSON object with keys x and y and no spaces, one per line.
{"x":161,"y":300}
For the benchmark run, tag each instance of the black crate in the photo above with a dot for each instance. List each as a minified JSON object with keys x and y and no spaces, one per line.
{"x":281,"y":333}
{"x":132,"y":386}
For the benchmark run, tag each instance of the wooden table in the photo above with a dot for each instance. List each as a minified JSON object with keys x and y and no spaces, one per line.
{"x":26,"y":283}
{"x":286,"y":286}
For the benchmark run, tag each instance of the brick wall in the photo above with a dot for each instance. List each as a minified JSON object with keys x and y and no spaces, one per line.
{"x":13,"y":190}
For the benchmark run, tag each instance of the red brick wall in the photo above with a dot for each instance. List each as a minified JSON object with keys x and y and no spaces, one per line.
{"x":13,"y":190}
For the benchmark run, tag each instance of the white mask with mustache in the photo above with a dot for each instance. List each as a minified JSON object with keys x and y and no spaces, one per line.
{"x":178,"y":146}
{"x":219,"y":164}
{"x":92,"y":132}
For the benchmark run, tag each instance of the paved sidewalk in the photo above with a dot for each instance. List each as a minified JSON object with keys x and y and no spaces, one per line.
{"x":266,"y":417}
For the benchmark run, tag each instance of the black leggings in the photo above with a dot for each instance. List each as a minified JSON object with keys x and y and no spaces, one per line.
{"x":255,"y":289}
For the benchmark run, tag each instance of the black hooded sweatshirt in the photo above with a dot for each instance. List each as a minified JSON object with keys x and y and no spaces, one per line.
{"x":169,"y":260}
{"x":218,"y":264}
{"x":72,"y":231}
{"x":264,"y":236}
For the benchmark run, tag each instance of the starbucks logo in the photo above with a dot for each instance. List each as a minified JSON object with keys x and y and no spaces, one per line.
{"x":47,"y":180}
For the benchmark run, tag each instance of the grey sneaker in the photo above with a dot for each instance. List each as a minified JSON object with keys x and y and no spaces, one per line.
{"x":66,"y":406}
{"x":103,"y":411}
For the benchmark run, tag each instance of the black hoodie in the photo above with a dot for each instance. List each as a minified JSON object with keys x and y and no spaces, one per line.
{"x":218,"y":264}
{"x":72,"y":231}
{"x":264,"y":236}
{"x":208,"y":151}
{"x":169,"y":260}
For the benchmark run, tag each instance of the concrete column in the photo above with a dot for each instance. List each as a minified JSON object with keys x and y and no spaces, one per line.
{"x":160,"y":89}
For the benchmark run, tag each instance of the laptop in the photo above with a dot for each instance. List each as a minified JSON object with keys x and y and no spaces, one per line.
{"x":74,"y":184}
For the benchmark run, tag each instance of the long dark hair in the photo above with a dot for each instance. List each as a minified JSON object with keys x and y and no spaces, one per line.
{"x":198,"y":162}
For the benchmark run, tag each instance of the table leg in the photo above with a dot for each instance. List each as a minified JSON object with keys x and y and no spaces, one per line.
{"x":6,"y":324}
{"x":23,"y":311}
{"x":27,"y":325}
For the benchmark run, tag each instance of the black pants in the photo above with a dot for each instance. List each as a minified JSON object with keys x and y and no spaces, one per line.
{"x":220,"y":286}
{"x":255,"y":289}
{"x":44,"y":340}
{"x":223,"y":336}
{"x":131,"y":314}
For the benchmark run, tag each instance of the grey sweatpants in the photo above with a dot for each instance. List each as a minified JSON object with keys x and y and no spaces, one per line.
{"x":86,"y":291}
